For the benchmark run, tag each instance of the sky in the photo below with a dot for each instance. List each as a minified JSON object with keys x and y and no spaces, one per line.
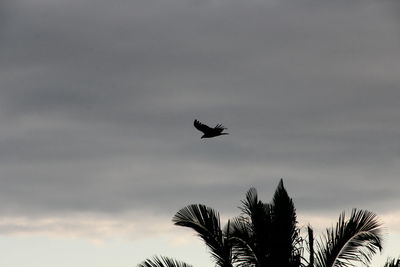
{"x":97,"y":101}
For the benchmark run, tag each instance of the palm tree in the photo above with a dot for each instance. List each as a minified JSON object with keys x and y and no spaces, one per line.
{"x":267,"y":235}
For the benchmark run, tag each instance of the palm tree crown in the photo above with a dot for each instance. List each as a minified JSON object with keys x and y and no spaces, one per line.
{"x":267,"y":235}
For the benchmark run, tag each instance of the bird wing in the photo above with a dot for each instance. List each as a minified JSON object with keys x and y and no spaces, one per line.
{"x":220,"y":127}
{"x":201,"y":127}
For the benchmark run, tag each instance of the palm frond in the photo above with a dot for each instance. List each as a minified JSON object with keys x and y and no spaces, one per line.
{"x":392,"y":263}
{"x":163,"y":262}
{"x":250,"y":201}
{"x":241,"y":238}
{"x":311,"y":246}
{"x":259,"y":225}
{"x":285,"y":234}
{"x":206,"y":223}
{"x":354,"y":240}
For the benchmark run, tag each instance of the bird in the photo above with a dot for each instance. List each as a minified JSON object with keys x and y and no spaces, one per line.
{"x":207,"y":131}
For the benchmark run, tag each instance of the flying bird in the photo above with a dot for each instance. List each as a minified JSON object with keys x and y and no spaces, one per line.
{"x":207,"y":131}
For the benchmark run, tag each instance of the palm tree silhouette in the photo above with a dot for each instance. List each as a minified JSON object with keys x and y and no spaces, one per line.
{"x":267,"y":235}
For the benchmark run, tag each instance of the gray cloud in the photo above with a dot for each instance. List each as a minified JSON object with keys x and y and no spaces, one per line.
{"x":98,"y":99}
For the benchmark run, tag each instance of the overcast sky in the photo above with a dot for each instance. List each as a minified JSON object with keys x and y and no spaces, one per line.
{"x":98,"y":99}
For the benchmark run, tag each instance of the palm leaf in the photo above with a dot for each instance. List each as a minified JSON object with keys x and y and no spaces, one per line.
{"x":206,"y":222}
{"x":259,"y":226}
{"x":392,"y":263}
{"x":311,"y":246}
{"x":354,"y":240}
{"x":163,"y":262}
{"x":242,"y":240}
{"x":285,"y":234}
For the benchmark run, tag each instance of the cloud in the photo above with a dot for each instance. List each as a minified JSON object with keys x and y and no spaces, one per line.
{"x":98,"y":99}
{"x":92,"y":227}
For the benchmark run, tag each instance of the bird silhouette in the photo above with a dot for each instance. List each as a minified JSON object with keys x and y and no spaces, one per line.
{"x":207,"y":131}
